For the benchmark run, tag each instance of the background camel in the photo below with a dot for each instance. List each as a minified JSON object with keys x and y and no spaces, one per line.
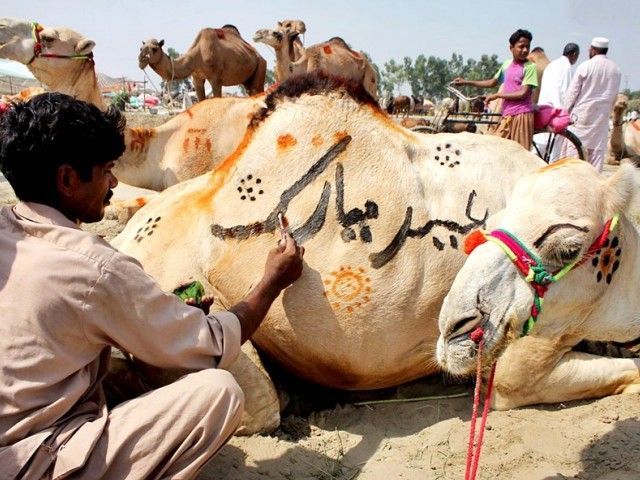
{"x":624,"y":139}
{"x":219,"y":56}
{"x":188,"y":145}
{"x":584,"y":304}
{"x":60,"y":58}
{"x":296,"y":49}
{"x":380,"y":210}
{"x":541,"y":61}
{"x":333,"y":57}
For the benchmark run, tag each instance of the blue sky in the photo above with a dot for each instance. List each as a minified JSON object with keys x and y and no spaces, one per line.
{"x":384,"y":29}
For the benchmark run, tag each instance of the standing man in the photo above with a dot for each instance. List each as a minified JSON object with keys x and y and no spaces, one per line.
{"x":519,"y":79}
{"x":553,"y":89}
{"x":557,"y":77}
{"x":590,"y":99}
{"x":67,"y":297}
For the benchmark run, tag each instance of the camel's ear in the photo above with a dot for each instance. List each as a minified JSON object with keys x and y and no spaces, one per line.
{"x":279,"y":24}
{"x":620,"y":189}
{"x":161,"y":43}
{"x":85,"y":46}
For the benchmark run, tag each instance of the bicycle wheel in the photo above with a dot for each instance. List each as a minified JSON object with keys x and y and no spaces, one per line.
{"x":546,"y":151}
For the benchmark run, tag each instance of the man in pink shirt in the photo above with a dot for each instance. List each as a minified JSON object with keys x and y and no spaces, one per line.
{"x":67,"y":297}
{"x":518,"y":77}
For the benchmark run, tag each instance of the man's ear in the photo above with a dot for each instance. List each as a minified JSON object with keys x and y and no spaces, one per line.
{"x":67,"y":180}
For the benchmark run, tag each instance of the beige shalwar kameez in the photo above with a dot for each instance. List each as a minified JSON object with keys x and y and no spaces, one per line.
{"x":66,"y":298}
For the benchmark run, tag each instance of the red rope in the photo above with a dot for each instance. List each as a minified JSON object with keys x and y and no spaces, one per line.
{"x":475,"y":445}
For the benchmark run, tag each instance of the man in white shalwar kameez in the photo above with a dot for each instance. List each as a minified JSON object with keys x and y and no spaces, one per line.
{"x":555,"y":83}
{"x":590,"y":99}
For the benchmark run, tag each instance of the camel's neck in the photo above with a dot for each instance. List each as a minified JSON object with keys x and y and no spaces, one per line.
{"x":283,"y":60}
{"x":78,"y":79}
{"x":616,"y":315}
{"x":176,"y":69}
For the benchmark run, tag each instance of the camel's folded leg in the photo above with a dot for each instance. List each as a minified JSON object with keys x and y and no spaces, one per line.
{"x":123,"y":210}
{"x":534,"y":370}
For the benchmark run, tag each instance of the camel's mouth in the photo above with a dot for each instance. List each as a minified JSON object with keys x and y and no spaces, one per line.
{"x":458,"y":354}
{"x":143,"y":61}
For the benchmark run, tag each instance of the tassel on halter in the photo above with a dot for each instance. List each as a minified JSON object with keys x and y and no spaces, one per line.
{"x":471,"y":241}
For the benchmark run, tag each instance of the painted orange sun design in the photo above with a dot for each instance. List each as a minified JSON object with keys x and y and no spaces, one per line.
{"x":347,"y":289}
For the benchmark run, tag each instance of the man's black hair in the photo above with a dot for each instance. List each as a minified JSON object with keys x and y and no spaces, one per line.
{"x":570,"y":48}
{"x":518,"y":34}
{"x":600,"y":51}
{"x":52,"y":129}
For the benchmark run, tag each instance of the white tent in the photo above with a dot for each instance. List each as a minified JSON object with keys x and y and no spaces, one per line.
{"x":13,"y":69}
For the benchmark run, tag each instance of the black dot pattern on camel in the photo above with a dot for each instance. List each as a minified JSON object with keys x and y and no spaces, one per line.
{"x":447,"y":155}
{"x":250,"y":188}
{"x":147,"y":229}
{"x":607,"y":260}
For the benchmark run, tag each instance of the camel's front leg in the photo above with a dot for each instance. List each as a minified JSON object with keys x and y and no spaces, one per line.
{"x":534,"y":370}
{"x":216,"y":86}
{"x":198,"y":84}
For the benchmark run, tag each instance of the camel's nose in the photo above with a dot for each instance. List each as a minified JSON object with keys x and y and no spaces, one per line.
{"x":462,"y":326}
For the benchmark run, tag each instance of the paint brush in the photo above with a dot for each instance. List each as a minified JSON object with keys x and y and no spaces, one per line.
{"x":283,"y":228}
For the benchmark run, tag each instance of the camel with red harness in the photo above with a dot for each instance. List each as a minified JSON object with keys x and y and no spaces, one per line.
{"x":59,"y":57}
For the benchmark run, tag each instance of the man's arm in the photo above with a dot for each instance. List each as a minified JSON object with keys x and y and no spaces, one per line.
{"x":488,"y":83}
{"x":283,"y":267}
{"x":574,"y":89}
{"x":519,"y":94}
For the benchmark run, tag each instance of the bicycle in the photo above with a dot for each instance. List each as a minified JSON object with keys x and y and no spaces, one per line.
{"x":444,"y":121}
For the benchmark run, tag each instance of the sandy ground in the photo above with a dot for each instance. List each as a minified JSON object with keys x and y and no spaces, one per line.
{"x":325,"y":435}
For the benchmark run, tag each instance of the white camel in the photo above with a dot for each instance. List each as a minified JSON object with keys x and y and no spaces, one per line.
{"x":562,"y":215}
{"x":380,"y":210}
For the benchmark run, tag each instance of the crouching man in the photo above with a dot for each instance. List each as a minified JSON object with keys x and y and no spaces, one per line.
{"x":67,"y":297}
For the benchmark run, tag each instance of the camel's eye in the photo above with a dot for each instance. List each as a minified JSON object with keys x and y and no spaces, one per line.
{"x":46,"y":39}
{"x":568,"y":254}
{"x":278,"y":35}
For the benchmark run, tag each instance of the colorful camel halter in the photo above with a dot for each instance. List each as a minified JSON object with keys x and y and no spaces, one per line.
{"x":530,"y":265}
{"x":37,"y":48}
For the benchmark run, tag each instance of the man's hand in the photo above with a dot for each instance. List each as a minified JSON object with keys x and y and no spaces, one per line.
{"x":490,"y":98}
{"x":204,"y":304}
{"x":459,"y":81}
{"x":284,"y":263}
{"x":283,"y":267}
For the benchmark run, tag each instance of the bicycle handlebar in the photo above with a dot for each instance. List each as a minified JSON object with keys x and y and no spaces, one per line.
{"x":462,"y":96}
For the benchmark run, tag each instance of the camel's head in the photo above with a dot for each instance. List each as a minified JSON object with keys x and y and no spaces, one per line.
{"x":273,"y":38}
{"x":150,"y":52}
{"x":557,"y":215}
{"x":622,"y":102}
{"x":19,"y":42}
{"x":297,"y":26}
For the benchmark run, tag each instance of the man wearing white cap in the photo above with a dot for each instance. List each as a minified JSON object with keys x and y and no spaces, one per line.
{"x":590,"y":99}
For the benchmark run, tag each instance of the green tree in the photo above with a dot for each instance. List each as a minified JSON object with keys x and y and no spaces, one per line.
{"x":392,"y":77}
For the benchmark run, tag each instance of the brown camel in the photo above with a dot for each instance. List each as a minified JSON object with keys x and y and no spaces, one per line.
{"x":333,"y":57}
{"x":624,"y":140}
{"x":220,"y":56}
{"x":541,"y":61}
{"x":296,"y":48}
